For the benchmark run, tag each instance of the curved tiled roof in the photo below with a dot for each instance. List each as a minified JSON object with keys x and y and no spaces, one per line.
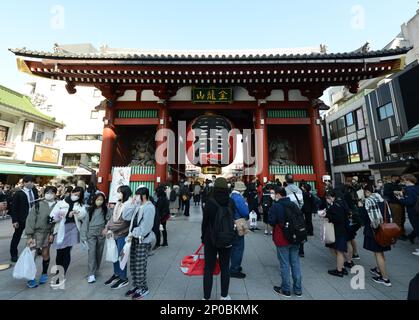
{"x":208,"y":56}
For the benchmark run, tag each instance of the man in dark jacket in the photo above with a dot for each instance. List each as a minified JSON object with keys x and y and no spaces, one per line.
{"x":185,"y":198}
{"x":397,"y":209}
{"x":23,"y":201}
{"x":161,"y":216}
{"x":287,"y":253}
{"x":409,"y":197}
{"x":219,"y":197}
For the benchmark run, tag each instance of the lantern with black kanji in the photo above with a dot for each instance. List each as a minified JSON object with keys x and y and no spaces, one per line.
{"x":211,"y":143}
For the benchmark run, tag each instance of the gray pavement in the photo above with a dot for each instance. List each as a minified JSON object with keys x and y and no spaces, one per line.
{"x":260,"y":263}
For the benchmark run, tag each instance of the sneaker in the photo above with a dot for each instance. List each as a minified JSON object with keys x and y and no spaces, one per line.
{"x":140,"y":294}
{"x":43,"y":279}
{"x":349,"y":265}
{"x":344,"y":271}
{"x":266,"y":232}
{"x":416,"y":253}
{"x":336,"y":273}
{"x":356,"y":257}
{"x":91,"y":279}
{"x":13,"y":259}
{"x":112,"y":280}
{"x":225,"y":298}
{"x":120,"y":284}
{"x":375,"y":272}
{"x":241,"y":269}
{"x":31,"y":284}
{"x":271,"y":233}
{"x":381,"y":280}
{"x":279,"y":291}
{"x":130,"y":292}
{"x":238,"y":275}
{"x":301,"y":254}
{"x":298,"y":294}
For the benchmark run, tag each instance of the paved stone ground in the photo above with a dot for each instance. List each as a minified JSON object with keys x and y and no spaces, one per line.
{"x":260,"y":264}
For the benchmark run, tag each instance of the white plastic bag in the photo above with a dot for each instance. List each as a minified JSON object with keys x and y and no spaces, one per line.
{"x":253,"y":219}
{"x":123,"y":259}
{"x":111,"y":250}
{"x":25,"y":267}
{"x":327,"y":232}
{"x":61,"y":231}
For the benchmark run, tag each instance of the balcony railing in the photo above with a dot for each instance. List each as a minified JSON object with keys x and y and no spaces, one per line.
{"x":7,"y":145}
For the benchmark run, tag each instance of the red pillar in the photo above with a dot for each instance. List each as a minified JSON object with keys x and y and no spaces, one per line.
{"x":262,"y":152}
{"x":317,"y":149}
{"x":161,"y":168}
{"x":108,"y":146}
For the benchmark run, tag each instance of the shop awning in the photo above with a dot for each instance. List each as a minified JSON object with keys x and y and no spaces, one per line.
{"x":409,"y":143}
{"x":22,"y":169}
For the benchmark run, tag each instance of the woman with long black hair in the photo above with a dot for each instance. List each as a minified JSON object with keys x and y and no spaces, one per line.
{"x":92,"y":233}
{"x":73,"y":211}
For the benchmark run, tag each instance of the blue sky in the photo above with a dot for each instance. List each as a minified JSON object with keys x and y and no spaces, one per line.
{"x":196,"y":24}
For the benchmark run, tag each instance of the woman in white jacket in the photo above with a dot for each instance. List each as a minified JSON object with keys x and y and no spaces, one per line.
{"x":73,"y":211}
{"x":142,"y":237}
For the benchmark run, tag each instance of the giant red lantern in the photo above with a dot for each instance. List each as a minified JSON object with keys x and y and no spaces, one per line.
{"x":211,"y":143}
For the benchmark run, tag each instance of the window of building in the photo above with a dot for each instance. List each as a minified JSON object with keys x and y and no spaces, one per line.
{"x":84,"y":137}
{"x":385,"y":111}
{"x":37,"y":136}
{"x":365,"y":155}
{"x":333,"y":128}
{"x":360,"y":119}
{"x":341,"y":127}
{"x":3,"y":133}
{"x":340,"y":154}
{"x":354,"y":155}
{"x":94,"y":114}
{"x":350,"y":123}
{"x":53,"y":87}
{"x":386,"y":145}
{"x":97,"y":93}
{"x":71,"y":159}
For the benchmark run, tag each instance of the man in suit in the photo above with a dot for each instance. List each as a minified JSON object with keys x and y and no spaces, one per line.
{"x":23,"y":200}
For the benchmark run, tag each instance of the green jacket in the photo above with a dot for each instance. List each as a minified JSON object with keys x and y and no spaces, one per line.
{"x":38,"y":217}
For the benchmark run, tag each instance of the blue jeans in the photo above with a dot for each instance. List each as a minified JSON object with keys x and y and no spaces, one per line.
{"x":237,"y":251}
{"x":289,"y":259}
{"x":122,"y":274}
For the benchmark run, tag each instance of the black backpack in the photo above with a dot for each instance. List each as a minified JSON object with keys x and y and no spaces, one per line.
{"x":222,"y":232}
{"x":295,"y":226}
{"x":173,"y":195}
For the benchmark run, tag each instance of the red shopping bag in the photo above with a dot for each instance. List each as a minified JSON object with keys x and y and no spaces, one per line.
{"x":194,"y":265}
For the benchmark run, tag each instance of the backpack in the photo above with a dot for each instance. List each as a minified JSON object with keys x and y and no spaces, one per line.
{"x":295,"y":226}
{"x":173,"y":195}
{"x":222,"y":232}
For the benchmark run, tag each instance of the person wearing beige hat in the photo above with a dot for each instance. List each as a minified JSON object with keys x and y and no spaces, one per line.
{"x":241,"y":214}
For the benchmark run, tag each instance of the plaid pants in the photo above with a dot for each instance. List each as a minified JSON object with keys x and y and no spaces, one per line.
{"x":138,"y":263}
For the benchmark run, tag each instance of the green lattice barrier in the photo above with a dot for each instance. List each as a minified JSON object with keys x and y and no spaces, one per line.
{"x":291,"y":169}
{"x":143,"y":170}
{"x":135,"y":184}
{"x":135,"y":114}
{"x":287,"y":113}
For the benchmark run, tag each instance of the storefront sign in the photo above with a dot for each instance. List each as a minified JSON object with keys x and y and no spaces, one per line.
{"x":46,"y":155}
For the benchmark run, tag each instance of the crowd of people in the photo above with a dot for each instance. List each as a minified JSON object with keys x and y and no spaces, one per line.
{"x":59,"y":216}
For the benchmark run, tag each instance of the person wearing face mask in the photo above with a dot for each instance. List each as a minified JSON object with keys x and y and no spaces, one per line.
{"x":92,"y":233}
{"x":141,"y":236}
{"x":23,"y":201}
{"x":118,"y":227}
{"x":241,"y":212}
{"x":391,"y":188}
{"x":73,"y":211}
{"x":39,"y":231}
{"x":337,"y":212}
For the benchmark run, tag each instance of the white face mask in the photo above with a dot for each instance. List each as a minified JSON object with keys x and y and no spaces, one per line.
{"x":120,"y":196}
{"x":75,"y":198}
{"x":50,"y":197}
